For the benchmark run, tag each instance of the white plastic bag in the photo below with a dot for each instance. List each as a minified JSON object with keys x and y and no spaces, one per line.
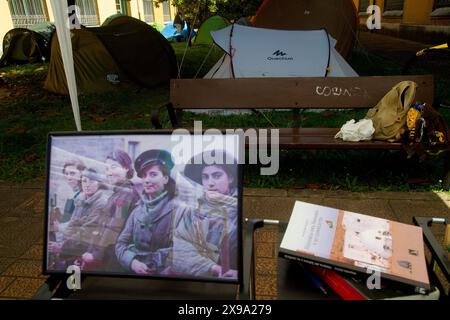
{"x":356,"y":131}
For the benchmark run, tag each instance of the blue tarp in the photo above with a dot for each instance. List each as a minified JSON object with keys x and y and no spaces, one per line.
{"x":170,"y":32}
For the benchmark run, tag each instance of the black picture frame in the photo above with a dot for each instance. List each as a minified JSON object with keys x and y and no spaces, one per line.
{"x":52,"y":136}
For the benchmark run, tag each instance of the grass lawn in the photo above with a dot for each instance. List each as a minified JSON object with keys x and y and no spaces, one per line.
{"x":28,"y":113}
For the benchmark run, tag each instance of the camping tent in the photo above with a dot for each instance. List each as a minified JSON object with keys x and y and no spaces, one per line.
{"x":338,"y":17}
{"x":22,"y":45}
{"x":112,"y":17}
{"x":157,"y":26}
{"x":259,"y":52}
{"x":60,"y":12}
{"x":122,"y":51}
{"x":211,"y":24}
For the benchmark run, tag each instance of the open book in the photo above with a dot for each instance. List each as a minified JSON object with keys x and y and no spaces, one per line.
{"x":354,"y":243}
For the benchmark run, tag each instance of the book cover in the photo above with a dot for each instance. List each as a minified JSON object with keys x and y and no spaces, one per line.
{"x":353,"y":243}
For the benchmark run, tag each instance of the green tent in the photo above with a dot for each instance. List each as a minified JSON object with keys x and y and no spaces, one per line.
{"x":123,"y":52}
{"x":111,"y":18}
{"x":211,"y":24}
{"x":157,"y":26}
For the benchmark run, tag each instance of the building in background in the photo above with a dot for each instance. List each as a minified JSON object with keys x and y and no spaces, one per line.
{"x":26,"y":13}
{"x":427,"y":21}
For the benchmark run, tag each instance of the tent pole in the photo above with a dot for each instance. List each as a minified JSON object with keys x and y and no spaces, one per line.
{"x":60,"y":11}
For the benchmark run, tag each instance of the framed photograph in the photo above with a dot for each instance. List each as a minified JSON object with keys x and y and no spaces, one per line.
{"x":145,"y":204}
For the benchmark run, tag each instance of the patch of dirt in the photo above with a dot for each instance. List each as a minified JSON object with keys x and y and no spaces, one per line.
{"x":18,"y":92}
{"x":6,"y":92}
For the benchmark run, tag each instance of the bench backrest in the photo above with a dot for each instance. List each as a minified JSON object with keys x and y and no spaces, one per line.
{"x":291,"y":93}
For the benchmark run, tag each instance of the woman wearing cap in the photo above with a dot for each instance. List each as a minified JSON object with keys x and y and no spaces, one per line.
{"x":85,"y":226}
{"x":205,"y":241}
{"x":145,"y":243}
{"x":119,"y":171}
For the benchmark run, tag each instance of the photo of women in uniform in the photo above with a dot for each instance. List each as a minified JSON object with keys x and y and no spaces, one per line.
{"x":122,"y":200}
{"x":132,"y":204}
{"x":83,"y":232}
{"x":145,"y":243}
{"x":205,"y":241}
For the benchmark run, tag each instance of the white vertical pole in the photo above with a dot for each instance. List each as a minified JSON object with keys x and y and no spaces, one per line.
{"x":60,"y":11}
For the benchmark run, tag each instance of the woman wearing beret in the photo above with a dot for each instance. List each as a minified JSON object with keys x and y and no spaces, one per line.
{"x":85,"y":227}
{"x":121,"y":203}
{"x":145,"y":243}
{"x":205,"y":240}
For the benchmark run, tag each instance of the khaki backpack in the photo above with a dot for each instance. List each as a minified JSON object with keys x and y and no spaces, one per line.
{"x":389,"y":115}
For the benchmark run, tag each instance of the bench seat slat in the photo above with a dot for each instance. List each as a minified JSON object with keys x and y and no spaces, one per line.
{"x":323,"y":138}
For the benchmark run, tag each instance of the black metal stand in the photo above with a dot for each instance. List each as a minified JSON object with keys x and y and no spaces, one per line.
{"x":438,"y":254}
{"x":248,"y":288}
{"x":292,"y":282}
{"x":94,"y":287}
{"x":106,"y":288}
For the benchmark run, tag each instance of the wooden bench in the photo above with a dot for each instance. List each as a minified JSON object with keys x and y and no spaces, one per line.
{"x":296,"y":94}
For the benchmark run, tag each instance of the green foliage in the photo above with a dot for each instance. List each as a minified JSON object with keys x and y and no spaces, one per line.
{"x":199,"y":10}
{"x":235,"y":9}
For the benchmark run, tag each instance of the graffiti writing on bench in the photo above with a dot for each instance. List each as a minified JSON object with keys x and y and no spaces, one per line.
{"x":338,"y":92}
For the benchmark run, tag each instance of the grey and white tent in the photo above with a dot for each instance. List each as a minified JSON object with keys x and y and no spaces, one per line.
{"x":256,"y":52}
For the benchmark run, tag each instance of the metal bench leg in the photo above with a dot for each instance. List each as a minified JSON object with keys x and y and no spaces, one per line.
{"x":172,"y":116}
{"x":155,"y":119}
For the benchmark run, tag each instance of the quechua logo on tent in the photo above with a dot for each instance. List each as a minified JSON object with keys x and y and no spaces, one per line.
{"x":279,"y":55}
